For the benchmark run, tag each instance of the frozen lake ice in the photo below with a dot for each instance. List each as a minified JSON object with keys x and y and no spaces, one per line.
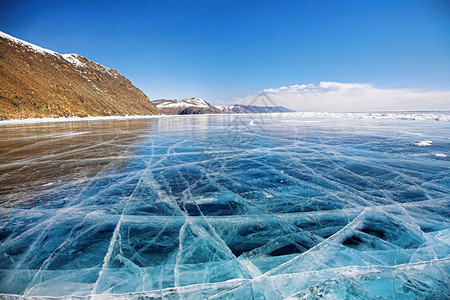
{"x":272,"y":206}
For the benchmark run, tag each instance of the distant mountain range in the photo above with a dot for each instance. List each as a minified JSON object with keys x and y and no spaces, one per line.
{"x":185,"y":106}
{"x":200,"y":106}
{"x":249,"y":109}
{"x":37,"y":82}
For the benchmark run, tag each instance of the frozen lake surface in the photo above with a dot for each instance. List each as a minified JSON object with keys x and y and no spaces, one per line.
{"x":227,"y":206}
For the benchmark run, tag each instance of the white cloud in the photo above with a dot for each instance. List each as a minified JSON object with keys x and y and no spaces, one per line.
{"x":337,"y":96}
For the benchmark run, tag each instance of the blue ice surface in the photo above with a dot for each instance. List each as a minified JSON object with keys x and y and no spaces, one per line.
{"x":227,"y":206}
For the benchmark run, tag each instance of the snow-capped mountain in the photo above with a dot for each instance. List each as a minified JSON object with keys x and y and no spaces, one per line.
{"x":189,"y":106}
{"x":37,"y":82}
{"x":249,"y":109}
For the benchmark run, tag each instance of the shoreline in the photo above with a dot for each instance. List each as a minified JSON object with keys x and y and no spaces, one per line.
{"x":443,"y":115}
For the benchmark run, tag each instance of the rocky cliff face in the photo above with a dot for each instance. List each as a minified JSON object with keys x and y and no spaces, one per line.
{"x":36,"y":82}
{"x":252,"y":109}
{"x":185,"y":106}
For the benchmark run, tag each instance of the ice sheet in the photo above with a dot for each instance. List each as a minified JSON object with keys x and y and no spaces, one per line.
{"x":226,"y":206}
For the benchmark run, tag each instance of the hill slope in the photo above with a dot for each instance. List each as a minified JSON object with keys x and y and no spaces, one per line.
{"x":185,"y":106}
{"x":36,"y":82}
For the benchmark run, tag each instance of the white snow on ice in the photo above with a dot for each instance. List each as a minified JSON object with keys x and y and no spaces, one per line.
{"x":423,"y":143}
{"x":297,"y":117}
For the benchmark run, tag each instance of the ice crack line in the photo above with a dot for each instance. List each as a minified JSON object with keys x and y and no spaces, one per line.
{"x":116,"y":233}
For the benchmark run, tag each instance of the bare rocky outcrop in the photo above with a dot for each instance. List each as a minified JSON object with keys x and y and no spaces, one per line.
{"x":36,"y":82}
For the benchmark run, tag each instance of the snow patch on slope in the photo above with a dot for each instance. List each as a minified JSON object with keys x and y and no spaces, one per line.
{"x":28,"y":45}
{"x":175,"y":103}
{"x":73,"y":59}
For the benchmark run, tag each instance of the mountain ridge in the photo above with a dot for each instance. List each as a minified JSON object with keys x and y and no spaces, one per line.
{"x":194,"y":105}
{"x":36,"y":82}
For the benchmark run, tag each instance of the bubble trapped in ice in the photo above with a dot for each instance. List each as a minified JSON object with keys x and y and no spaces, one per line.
{"x":193,"y":207}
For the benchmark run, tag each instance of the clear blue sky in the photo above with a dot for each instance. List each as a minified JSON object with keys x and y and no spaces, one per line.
{"x":223,"y":49}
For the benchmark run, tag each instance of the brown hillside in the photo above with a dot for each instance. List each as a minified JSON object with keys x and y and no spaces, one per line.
{"x":36,"y":82}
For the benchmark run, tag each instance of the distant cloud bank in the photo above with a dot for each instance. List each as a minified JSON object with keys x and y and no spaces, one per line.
{"x":339,"y":97}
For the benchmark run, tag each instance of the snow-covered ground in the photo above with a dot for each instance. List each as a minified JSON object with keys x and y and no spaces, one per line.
{"x":284,"y":117}
{"x":73,"y":119}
